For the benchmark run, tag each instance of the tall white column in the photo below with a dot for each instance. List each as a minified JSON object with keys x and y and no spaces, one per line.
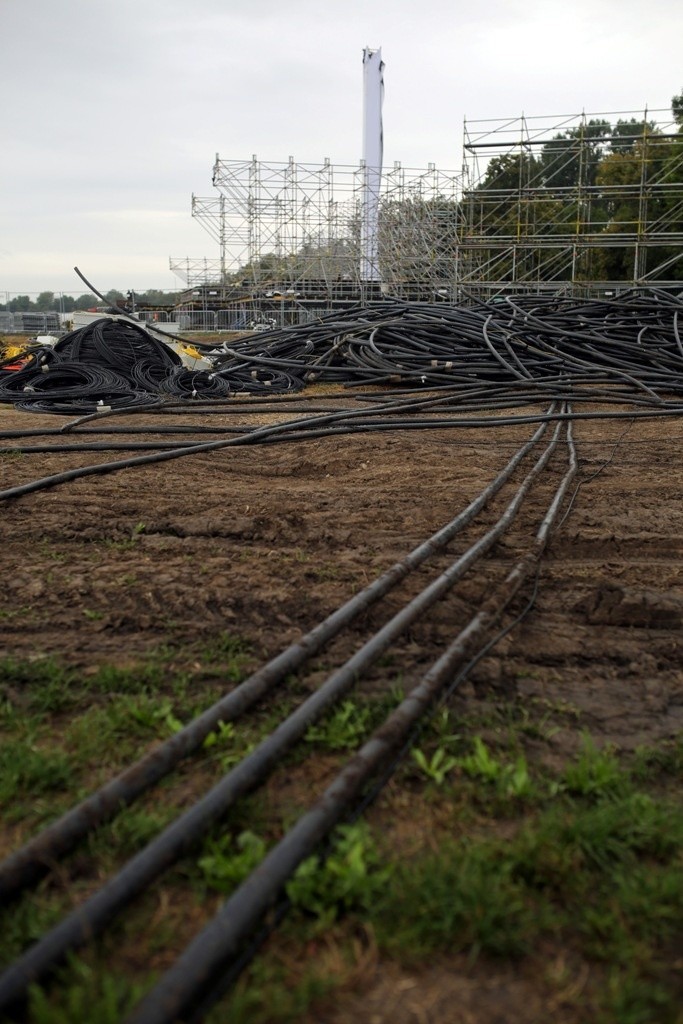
{"x":373,"y":95}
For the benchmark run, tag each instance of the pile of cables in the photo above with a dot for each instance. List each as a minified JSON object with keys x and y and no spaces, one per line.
{"x":530,"y":338}
{"x":516,"y":344}
{"x":94,"y":368}
{"x":636,"y":338}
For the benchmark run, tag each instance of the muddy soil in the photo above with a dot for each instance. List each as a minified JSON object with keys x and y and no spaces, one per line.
{"x":263,"y":542}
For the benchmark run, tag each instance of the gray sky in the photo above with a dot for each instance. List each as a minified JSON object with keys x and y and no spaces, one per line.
{"x":112,"y":111}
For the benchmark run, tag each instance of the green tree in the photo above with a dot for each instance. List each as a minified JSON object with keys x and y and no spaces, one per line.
{"x":46,"y":301}
{"x":86,"y":301}
{"x":571,"y":158}
{"x":627,"y":134}
{"x":677,"y":108}
{"x":155,"y":297}
{"x":633,"y":178}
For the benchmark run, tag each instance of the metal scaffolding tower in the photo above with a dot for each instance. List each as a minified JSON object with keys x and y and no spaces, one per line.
{"x":296,"y":229}
{"x":584,"y":203}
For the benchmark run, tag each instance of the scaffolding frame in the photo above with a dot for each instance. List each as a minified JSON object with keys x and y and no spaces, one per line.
{"x":295,"y":229}
{"x":582,"y":203}
{"x":578,"y":203}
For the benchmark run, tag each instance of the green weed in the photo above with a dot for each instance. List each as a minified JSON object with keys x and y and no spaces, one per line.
{"x":229,"y":745}
{"x":228,"y":861}
{"x":223,"y":733}
{"x":595,"y":774}
{"x":349,"y":879}
{"x":510,"y":780}
{"x":480,"y":764}
{"x":343,"y":728}
{"x":152,"y":715}
{"x":435,"y":767}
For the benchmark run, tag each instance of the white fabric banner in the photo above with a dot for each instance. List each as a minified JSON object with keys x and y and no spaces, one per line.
{"x":373,"y":144}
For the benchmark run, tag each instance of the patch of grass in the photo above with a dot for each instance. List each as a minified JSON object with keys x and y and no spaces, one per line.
{"x":324,"y":572}
{"x":112,"y":732}
{"x":603,"y":876}
{"x":629,"y":997}
{"x":23,"y":923}
{"x":42,"y":682}
{"x":46,"y":686}
{"x":148,"y":676}
{"x":663,"y":760}
{"x":225,"y":656}
{"x":267,"y":992}
{"x":131,"y":830}
{"x":570,"y":841}
{"x":584,"y":860}
{"x":461,"y":898}
{"x":28,"y":770}
{"x":346,"y":725}
{"x":87,"y":994}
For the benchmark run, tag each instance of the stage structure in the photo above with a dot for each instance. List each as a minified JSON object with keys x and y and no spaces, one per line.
{"x":582,"y":203}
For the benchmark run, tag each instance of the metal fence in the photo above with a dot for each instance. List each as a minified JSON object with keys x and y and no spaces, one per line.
{"x":245,"y":317}
{"x":30,"y":323}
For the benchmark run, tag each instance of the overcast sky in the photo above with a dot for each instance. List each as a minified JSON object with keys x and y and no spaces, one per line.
{"x":113,"y":111}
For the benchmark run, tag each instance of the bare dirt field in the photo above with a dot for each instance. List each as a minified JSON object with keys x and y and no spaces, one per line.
{"x":265,"y":542}
{"x":259,"y":544}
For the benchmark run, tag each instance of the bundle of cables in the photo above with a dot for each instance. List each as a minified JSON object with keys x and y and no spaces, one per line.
{"x":634,"y":340}
{"x":107,"y":364}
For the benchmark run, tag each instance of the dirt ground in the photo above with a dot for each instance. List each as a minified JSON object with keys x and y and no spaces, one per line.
{"x":265,"y":541}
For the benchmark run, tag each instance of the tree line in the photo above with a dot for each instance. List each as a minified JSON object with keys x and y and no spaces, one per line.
{"x":49,"y":301}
